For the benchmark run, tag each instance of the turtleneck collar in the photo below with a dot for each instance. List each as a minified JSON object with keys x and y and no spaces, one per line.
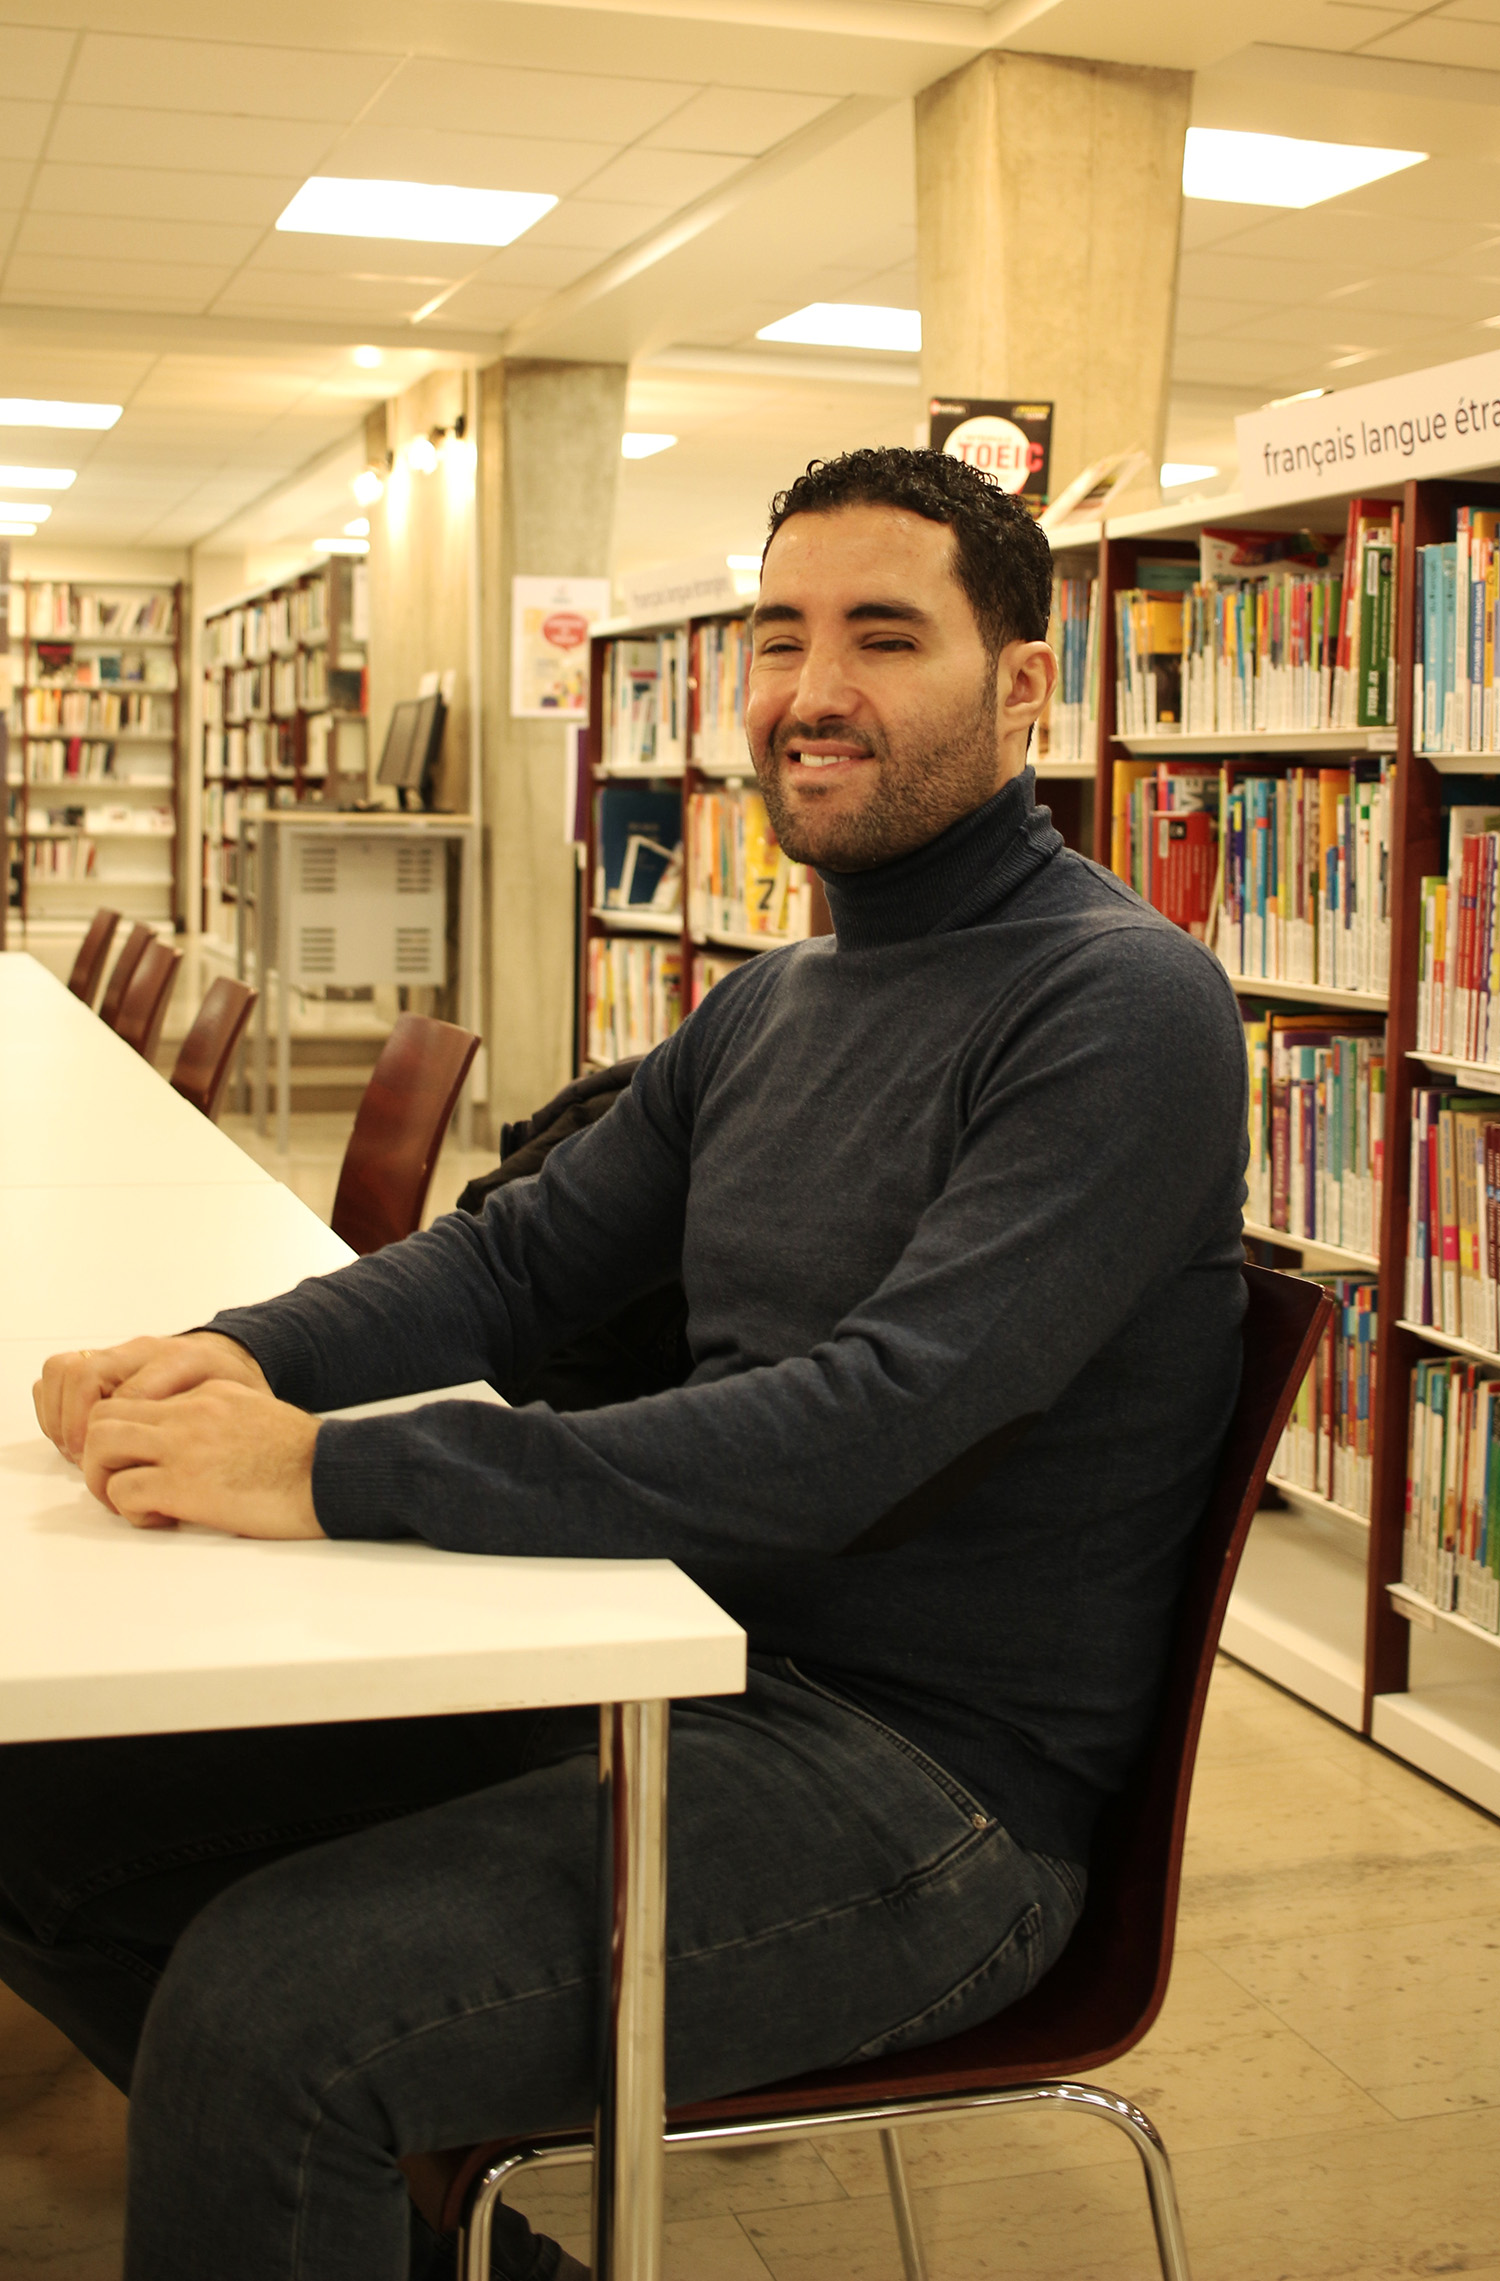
{"x":963,"y":873}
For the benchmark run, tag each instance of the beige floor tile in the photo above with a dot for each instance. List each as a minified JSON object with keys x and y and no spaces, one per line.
{"x":700,"y":2184}
{"x":1246,"y":1720}
{"x":1411,"y":2012}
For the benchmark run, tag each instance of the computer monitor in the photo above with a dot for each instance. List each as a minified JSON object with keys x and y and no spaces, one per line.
{"x":412,"y":744}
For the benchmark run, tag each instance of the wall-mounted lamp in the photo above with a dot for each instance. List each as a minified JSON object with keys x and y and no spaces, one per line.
{"x":368,"y":486}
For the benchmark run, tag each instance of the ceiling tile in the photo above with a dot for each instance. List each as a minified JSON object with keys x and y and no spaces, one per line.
{"x":1278,"y":365}
{"x":1209,"y":221}
{"x":91,"y":134}
{"x":527,"y":263}
{"x":1198,"y":316}
{"x":1334,"y":331}
{"x":743,"y":120}
{"x":467,"y":98}
{"x":160,"y":194}
{"x":15,"y":179}
{"x":662,"y":177}
{"x":1417,"y":293}
{"x":1438,"y":39}
{"x":594,"y":223}
{"x":33,"y":61}
{"x":1255,"y":277}
{"x":55,"y":278}
{"x":288,"y":252}
{"x":1367,"y":241}
{"x":118,"y":238}
{"x":23,"y":128}
{"x":492,"y":307}
{"x":1447,"y":189}
{"x":7,"y":231}
{"x":269,"y":293}
{"x":479,"y":162}
{"x":215,"y":75}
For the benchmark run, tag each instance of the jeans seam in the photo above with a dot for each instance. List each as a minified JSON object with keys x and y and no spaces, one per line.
{"x":941,"y":1779}
{"x":217,"y":1848}
{"x":1026,"y":1932}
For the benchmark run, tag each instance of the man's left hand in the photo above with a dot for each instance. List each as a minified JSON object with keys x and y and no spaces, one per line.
{"x":220,"y":1454}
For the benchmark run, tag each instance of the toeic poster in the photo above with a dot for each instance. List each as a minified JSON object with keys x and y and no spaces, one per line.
{"x":1009,"y":442}
{"x":550,"y":623}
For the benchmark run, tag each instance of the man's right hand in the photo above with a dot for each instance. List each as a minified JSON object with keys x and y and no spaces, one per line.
{"x":151,"y":1369}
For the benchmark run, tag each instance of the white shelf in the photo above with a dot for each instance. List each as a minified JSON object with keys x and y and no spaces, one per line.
{"x":639,"y":772}
{"x":96,"y":832}
{"x":101,"y":736}
{"x":98,"y":641}
{"x":1071,"y":771}
{"x":1309,"y":1244}
{"x":729,"y":941}
{"x":641,"y":922}
{"x":1411,"y":1604}
{"x":1308,"y":993}
{"x":1297,"y":1614}
{"x":1446,"y":1339}
{"x":1450,"y":1732}
{"x":1463,"y":763}
{"x":1476,"y":1075}
{"x":1295,"y":1494}
{"x":1252,"y":745}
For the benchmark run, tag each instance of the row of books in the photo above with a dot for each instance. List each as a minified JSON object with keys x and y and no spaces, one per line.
{"x":637,"y":848}
{"x":1164,"y":838}
{"x":98,"y":712}
{"x":1328,"y":1443}
{"x":1317,"y":1127}
{"x":719,"y":673}
{"x":710,"y":968}
{"x":1069,"y":729}
{"x":53,"y":607}
{"x":1453,"y":1232}
{"x":58,"y":666}
{"x":260,"y":749}
{"x":61,"y":859}
{"x":153,"y":820}
{"x":634,"y":995}
{"x":1456,"y":693}
{"x":1306,"y":885}
{"x":1458,"y":944}
{"x":1450,"y":1549}
{"x":740,"y":881}
{"x":52,"y":760}
{"x":645,"y":703}
{"x":270,"y":628}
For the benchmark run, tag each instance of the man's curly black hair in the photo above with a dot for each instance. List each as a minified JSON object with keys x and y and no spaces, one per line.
{"x":1001,"y":558}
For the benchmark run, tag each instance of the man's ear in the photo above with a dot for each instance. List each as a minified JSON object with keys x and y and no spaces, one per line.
{"x":1032,"y":670}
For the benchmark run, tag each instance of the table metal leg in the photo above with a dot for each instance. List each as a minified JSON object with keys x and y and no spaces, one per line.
{"x":629,"y":2152}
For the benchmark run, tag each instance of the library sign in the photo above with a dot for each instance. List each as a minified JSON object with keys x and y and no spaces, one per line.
{"x":1445,"y":421}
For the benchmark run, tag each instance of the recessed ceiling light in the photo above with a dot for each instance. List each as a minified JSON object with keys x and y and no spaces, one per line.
{"x":17,"y":530}
{"x":431,"y":213}
{"x":358,"y":529}
{"x":341,"y":546}
{"x":1176,"y":471}
{"x":367,"y":486}
{"x":639,"y":446}
{"x":1281,"y":170}
{"x":368,"y":358}
{"x":49,"y":412}
{"x":743,"y":561}
{"x":39,"y":478}
{"x":848,"y":324}
{"x":24,"y":510}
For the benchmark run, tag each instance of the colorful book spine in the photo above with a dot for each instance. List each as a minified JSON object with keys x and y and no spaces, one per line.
{"x":634,"y":996}
{"x":1450,"y":1552}
{"x":1306,"y":877}
{"x":1328,"y":1446}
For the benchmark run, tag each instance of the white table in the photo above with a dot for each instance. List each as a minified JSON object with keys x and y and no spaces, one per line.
{"x":109,"y":1630}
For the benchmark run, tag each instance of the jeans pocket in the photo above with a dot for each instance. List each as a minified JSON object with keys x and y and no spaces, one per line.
{"x":1001,"y":1979}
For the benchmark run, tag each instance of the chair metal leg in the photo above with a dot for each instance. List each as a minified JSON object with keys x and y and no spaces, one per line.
{"x":1171,"y":2248}
{"x":913,"y":2263}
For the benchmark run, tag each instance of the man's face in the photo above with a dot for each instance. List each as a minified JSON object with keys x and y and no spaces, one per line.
{"x":875,"y":718}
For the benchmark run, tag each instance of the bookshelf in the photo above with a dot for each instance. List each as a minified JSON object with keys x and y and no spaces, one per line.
{"x":92,"y":771}
{"x":283,"y":704}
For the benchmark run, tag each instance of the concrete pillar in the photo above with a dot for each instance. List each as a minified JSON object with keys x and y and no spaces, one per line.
{"x":1049,"y":204}
{"x":549,"y":462}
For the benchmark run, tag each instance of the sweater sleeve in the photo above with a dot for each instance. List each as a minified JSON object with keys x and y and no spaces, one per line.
{"x":1101,"y":1153}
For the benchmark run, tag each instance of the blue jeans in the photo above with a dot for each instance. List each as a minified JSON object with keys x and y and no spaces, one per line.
{"x":307,"y":1951}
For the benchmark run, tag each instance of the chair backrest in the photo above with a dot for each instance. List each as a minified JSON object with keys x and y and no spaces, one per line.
{"x":206,"y":1055}
{"x":92,"y":952}
{"x":145,"y":1005}
{"x":399,"y":1130}
{"x":132,"y":951}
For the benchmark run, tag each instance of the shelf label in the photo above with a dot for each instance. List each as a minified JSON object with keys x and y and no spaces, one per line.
{"x":1439,"y":422}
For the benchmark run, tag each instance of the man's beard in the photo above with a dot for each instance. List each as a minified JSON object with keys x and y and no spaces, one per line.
{"x":915,"y":795}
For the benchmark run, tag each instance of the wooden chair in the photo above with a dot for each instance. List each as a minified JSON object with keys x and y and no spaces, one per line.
{"x":201,"y":1071}
{"x":92,"y":952}
{"x":399,"y":1130}
{"x":1107,"y":1987}
{"x":132,"y":951}
{"x":144,"y":1007}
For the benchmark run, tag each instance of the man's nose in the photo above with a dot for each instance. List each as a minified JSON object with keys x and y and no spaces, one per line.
{"x":824,"y":689}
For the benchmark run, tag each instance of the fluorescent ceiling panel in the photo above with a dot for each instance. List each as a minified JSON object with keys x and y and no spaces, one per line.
{"x":23,"y":510}
{"x":17,"y":530}
{"x":848,"y":324}
{"x":48,"y":412}
{"x":637,"y":445}
{"x":1175,"y":471}
{"x":429,"y":213}
{"x":1280,"y":170}
{"x":39,"y":478}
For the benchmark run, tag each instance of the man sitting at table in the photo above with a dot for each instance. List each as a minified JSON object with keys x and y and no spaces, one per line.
{"x":966,"y":1172}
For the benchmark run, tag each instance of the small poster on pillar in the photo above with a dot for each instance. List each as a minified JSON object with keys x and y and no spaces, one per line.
{"x":550,"y":623}
{"x":1009,"y":442}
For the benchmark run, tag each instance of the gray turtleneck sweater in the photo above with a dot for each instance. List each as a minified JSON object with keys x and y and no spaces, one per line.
{"x":975,"y":1158}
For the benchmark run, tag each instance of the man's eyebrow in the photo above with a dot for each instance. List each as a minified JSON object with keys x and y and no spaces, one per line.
{"x":784,"y":613}
{"x":774,"y":613}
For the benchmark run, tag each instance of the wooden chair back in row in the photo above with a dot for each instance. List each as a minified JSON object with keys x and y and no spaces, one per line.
{"x":143,"y":1008}
{"x":88,"y":966}
{"x":398,"y":1131}
{"x":132,"y":951}
{"x":201,"y":1071}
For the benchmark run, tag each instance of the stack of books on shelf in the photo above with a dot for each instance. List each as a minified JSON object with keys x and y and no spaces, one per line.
{"x":1328,"y":1444}
{"x":56,"y":759}
{"x":97,"y":712}
{"x":740,"y":879}
{"x":1069,"y":729}
{"x":59,"y":666}
{"x":719,"y":674}
{"x":1456,"y":694}
{"x":1453,"y":1236}
{"x":709,"y":969}
{"x":1164,"y":838}
{"x":69,"y":858}
{"x":1317,"y":1128}
{"x":645,"y":703}
{"x":1450,"y":1547}
{"x":1306,"y":883}
{"x":56,"y":608}
{"x":634,"y":995}
{"x":1458,"y":957}
{"x":638,"y":849}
